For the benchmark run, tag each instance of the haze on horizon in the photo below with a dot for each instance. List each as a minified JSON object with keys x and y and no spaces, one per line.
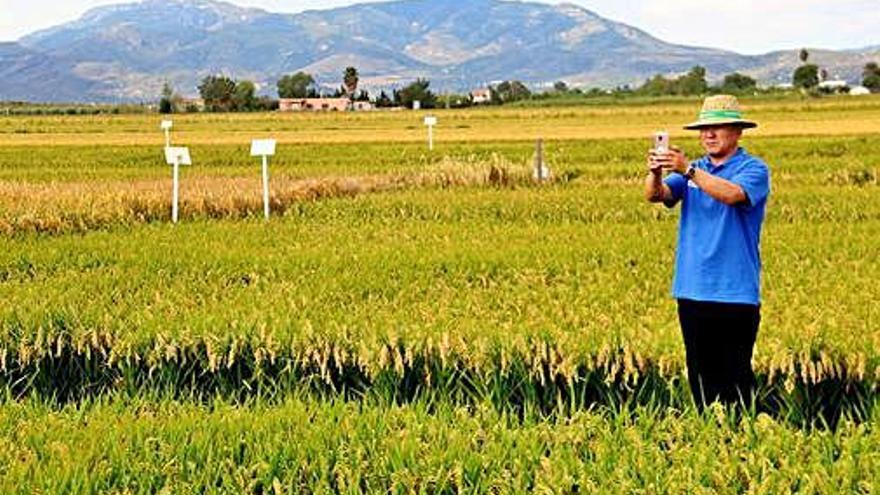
{"x":747,"y":26}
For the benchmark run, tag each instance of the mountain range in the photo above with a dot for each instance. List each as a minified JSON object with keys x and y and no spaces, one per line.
{"x":126,"y":52}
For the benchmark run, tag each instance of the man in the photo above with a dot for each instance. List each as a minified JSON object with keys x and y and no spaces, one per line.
{"x":717,"y":278}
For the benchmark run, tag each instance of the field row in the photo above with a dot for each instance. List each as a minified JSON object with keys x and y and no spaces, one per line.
{"x":564,"y":277}
{"x":78,"y":189}
{"x":785,"y":117}
{"x":329,"y":446}
{"x":794,"y":160}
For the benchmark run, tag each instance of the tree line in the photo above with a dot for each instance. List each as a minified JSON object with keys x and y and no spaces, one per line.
{"x":223,"y":94}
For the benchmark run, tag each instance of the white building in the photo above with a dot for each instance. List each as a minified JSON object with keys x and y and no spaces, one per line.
{"x":859,"y":91}
{"x":481,"y":95}
{"x":835,"y":85}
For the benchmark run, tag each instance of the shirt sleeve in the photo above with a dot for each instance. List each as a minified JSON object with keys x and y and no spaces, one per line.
{"x":678,"y":185}
{"x":754,"y":179}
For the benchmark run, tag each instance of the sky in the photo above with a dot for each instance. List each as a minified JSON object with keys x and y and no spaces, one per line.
{"x":744,"y":26}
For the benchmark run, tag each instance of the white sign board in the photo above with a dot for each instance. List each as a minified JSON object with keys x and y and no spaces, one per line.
{"x":166,"y":124}
{"x":263,"y":147}
{"x":417,"y":105}
{"x":429,"y":120}
{"x":176,"y":155}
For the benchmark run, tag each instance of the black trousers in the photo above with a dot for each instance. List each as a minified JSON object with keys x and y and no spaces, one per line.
{"x":719,"y":339}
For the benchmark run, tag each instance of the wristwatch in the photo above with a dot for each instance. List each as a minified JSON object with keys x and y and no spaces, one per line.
{"x":690,"y":172}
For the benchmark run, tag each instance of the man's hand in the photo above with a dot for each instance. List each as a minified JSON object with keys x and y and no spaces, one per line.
{"x":673,"y":160}
{"x":655,"y":190}
{"x":654,"y":167}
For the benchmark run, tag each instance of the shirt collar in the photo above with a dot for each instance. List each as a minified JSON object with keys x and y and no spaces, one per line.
{"x":733,"y":158}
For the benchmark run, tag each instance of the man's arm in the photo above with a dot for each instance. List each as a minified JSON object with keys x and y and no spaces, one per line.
{"x":656,"y":190}
{"x":719,"y":189}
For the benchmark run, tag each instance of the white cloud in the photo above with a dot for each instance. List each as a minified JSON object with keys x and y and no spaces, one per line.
{"x":746,"y":26}
{"x":751,"y":26}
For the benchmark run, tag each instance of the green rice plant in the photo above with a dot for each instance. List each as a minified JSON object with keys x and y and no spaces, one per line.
{"x":302,"y":445}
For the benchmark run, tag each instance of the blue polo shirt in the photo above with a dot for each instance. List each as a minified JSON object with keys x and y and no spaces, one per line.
{"x":718,"y":257}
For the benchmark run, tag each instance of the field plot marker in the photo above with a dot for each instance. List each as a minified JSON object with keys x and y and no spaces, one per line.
{"x":176,"y":157}
{"x":430,"y":121}
{"x":542,"y":171}
{"x":166,"y":126}
{"x":264,"y":148}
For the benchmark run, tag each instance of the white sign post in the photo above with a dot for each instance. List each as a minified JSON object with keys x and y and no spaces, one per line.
{"x":166,"y":126}
{"x":430,"y":121}
{"x":264,"y":148}
{"x":176,"y":157}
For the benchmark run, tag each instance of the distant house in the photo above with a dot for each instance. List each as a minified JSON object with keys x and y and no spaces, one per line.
{"x":481,"y":95}
{"x":197,"y":104}
{"x":834,"y":87}
{"x":314,"y":104}
{"x":859,"y":91}
{"x":362,"y":106}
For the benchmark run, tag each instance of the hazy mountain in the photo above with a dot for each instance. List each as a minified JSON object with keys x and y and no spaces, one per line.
{"x":777,"y":67}
{"x":128,"y":51}
{"x":30,"y":75}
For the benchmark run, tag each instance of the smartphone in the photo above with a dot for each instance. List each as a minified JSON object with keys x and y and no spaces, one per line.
{"x":661,"y":141}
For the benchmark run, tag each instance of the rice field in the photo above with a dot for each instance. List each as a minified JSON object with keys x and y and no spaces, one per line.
{"x":415,"y":321}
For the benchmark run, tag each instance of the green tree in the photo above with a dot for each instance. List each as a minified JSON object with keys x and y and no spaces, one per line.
{"x":510,"y":91}
{"x":692,"y":83}
{"x":384,"y":101}
{"x":218,"y":93}
{"x":295,"y":85}
{"x":416,"y":91}
{"x":350,"y":79}
{"x":245,"y":97}
{"x":168,"y":99}
{"x":657,"y":86}
{"x":871,"y":77}
{"x":738,"y":83}
{"x":806,"y":76}
{"x":560,"y":87}
{"x":266,"y":104}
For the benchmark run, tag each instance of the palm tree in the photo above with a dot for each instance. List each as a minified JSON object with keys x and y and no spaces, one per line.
{"x":350,"y":81}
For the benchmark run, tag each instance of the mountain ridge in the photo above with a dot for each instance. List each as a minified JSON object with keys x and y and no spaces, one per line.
{"x":127,"y":51}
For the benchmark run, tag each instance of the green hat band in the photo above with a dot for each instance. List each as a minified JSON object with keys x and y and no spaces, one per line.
{"x":720,"y":114}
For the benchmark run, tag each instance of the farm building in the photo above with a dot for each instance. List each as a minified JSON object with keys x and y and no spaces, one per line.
{"x":834,"y":86}
{"x":313,"y":104}
{"x":481,"y":95}
{"x":193,"y":103}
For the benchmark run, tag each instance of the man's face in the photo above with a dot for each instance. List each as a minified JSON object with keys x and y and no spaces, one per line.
{"x":720,"y":140}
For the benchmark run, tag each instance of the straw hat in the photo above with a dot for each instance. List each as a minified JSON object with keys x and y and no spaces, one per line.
{"x":721,"y":110}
